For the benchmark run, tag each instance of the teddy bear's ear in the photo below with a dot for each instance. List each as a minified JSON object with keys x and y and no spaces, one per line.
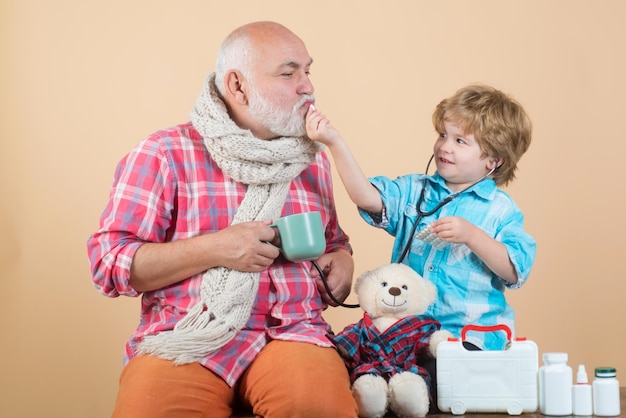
{"x":360,"y":280}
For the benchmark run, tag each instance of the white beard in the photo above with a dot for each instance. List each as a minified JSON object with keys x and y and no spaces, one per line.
{"x":276,"y":121}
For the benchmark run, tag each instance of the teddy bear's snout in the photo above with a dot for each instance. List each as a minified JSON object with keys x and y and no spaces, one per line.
{"x":394,"y":291}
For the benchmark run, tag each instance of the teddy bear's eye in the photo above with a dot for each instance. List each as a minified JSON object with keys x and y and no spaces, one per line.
{"x":405,"y":287}
{"x":384,"y":284}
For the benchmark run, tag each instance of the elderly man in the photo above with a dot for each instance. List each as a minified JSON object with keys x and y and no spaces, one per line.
{"x":225,"y":319}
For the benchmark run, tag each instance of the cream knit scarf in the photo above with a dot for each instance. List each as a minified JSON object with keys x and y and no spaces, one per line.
{"x":267,"y":167}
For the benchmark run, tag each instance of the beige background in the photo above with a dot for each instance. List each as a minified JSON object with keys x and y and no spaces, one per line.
{"x":84,"y":81}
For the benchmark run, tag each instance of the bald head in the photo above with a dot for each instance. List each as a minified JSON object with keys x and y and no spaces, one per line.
{"x":247,"y":44}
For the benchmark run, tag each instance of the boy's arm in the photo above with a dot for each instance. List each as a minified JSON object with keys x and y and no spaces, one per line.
{"x":493,"y":253}
{"x":360,"y":190}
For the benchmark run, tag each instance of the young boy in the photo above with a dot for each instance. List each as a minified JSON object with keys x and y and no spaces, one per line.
{"x":455,"y":227}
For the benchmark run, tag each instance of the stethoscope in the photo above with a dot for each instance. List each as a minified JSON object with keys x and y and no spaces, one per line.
{"x":330,"y":293}
{"x":421,"y":213}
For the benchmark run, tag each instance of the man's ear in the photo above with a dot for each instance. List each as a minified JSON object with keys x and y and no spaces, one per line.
{"x":235,"y":86}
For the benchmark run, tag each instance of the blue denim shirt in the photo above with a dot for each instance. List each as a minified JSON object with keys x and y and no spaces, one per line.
{"x":468,"y":292}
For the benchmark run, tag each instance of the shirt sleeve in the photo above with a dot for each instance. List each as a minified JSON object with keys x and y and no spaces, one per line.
{"x":138,"y":211}
{"x":520,"y":246}
{"x":398,"y":197}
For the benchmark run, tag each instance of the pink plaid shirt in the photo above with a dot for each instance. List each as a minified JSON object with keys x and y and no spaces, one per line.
{"x":168,"y":188}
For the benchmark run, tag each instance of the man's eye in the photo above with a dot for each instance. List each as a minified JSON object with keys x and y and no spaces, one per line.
{"x":287,"y":74}
{"x":460,"y":140}
{"x":442,"y":135}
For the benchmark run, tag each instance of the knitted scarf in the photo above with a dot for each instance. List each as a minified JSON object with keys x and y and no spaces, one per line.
{"x":267,"y":167}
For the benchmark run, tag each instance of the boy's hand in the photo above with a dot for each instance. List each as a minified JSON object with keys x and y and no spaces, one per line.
{"x":453,"y":229}
{"x":318,"y":127}
{"x":492,"y":252}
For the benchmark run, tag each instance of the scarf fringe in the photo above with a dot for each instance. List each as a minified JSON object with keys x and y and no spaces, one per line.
{"x":188,"y":346}
{"x":195,"y":336}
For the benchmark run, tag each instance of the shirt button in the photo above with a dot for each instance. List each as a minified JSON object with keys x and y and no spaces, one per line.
{"x":431,"y":268}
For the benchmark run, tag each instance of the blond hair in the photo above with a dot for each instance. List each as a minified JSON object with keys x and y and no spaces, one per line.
{"x":498,"y":122}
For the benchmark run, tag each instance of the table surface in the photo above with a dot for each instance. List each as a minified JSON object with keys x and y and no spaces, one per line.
{"x":477,"y":415}
{"x":622,"y":396}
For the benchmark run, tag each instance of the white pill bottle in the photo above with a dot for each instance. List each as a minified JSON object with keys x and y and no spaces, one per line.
{"x":605,"y":393}
{"x":555,"y":385}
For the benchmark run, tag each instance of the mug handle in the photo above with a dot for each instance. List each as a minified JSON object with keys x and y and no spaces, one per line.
{"x":276,"y":240}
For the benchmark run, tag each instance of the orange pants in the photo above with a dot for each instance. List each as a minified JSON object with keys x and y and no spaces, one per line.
{"x":287,"y":379}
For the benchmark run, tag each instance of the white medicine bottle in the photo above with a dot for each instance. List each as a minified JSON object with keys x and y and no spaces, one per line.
{"x":606,"y":393}
{"x":555,"y":385}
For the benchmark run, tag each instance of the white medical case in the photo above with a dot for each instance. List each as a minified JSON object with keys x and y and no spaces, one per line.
{"x":487,"y":381}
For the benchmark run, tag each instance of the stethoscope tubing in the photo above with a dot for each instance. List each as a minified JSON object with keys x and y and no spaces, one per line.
{"x":421,"y":214}
{"x":330,"y":293}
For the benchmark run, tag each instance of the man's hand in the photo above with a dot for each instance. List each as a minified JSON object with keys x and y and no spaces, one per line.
{"x":243,"y":247}
{"x":246,"y":246}
{"x":338,"y":267}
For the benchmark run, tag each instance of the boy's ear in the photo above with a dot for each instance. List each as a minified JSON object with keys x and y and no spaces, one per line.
{"x":495,"y":162}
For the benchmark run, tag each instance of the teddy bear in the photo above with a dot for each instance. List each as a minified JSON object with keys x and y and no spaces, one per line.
{"x":381,"y":351}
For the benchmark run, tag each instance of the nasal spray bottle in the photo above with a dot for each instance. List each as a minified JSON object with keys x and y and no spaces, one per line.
{"x":582,"y":394}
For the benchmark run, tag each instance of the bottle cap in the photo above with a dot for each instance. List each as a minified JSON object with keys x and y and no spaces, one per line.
{"x":605,"y":372}
{"x":555,"y":357}
{"x":581,"y":376}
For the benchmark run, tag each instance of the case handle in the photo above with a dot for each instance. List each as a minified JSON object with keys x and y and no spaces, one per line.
{"x":486,"y":328}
